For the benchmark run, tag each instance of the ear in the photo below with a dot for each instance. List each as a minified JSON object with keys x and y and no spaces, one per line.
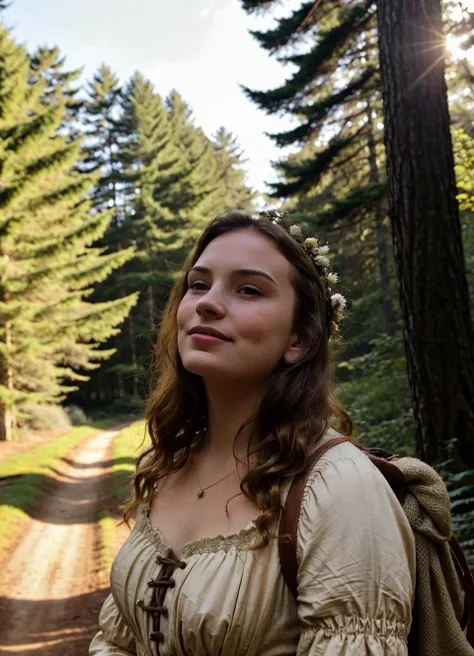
{"x":295,"y":350}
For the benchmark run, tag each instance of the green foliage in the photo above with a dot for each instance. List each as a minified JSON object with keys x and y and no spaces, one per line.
{"x":257,"y":5}
{"x":45,"y":416}
{"x":464,"y":154}
{"x":107,"y":540}
{"x":102,"y":133}
{"x":202,"y":190}
{"x":76,"y":415}
{"x":378,"y":396}
{"x":460,"y":484}
{"x":229,"y":158}
{"x":300,"y":21}
{"x":47,"y":66}
{"x":50,"y":334}
{"x":127,"y":446}
{"x":464,"y":157}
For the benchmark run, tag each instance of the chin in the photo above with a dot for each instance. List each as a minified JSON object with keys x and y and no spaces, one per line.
{"x":200,"y":364}
{"x":204,"y":369}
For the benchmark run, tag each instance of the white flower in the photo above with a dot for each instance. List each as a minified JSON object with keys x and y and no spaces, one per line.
{"x":322,"y":261}
{"x":332,"y":278}
{"x":311,"y":242}
{"x":277,"y":216}
{"x":338,"y":300}
{"x":323,"y":250}
{"x":295,"y":231}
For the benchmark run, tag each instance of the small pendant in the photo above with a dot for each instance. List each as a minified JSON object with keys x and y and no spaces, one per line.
{"x":200,"y":493}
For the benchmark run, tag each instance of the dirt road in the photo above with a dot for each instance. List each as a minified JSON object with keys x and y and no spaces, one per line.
{"x":51,"y":587}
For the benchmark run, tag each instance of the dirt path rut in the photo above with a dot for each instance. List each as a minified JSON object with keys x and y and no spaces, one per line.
{"x":51,"y":588}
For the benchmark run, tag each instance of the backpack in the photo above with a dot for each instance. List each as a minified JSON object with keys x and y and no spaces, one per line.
{"x":382,"y":460}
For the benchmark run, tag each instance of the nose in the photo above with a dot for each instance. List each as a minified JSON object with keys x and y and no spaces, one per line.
{"x":211,"y":304}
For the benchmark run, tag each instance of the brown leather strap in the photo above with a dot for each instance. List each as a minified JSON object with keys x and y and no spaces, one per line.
{"x":290,"y":516}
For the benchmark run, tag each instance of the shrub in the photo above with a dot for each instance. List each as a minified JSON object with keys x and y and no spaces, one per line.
{"x":44,"y":416}
{"x":76,"y":415}
{"x":378,"y":396}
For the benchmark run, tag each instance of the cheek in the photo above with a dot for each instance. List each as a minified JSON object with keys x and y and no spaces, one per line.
{"x":268,"y":328}
{"x":184,"y":312}
{"x":183,"y":320}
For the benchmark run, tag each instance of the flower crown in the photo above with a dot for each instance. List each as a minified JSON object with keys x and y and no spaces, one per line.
{"x":336,"y":302}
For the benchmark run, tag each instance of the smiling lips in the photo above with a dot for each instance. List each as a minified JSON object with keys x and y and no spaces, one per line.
{"x":211,"y":332}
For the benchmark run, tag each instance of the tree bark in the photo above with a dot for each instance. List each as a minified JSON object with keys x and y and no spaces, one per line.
{"x":6,"y":423}
{"x":426,"y":231}
{"x":133,"y":353}
{"x":7,"y":414}
{"x":380,"y":232}
{"x":151,"y":310}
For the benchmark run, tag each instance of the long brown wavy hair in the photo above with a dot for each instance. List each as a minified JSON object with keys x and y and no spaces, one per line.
{"x":294,"y":413}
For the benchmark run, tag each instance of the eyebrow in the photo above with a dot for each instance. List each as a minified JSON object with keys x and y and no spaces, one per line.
{"x":237,"y":272}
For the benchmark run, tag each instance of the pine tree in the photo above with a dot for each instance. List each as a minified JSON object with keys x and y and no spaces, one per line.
{"x":50,"y":334}
{"x":439,"y":337}
{"x":47,"y":65}
{"x":154,"y":172}
{"x":147,"y":171}
{"x":101,"y":122}
{"x":203,"y":192}
{"x":336,"y":178}
{"x":229,"y":166}
{"x":102,"y":127}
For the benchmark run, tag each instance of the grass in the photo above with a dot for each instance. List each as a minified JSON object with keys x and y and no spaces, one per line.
{"x":107,"y":536}
{"x":33,"y":471}
{"x":126,"y":447}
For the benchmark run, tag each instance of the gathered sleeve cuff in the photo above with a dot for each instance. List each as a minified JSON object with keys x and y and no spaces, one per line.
{"x":354,"y":636}
{"x":357,"y":563}
{"x":115,"y":638}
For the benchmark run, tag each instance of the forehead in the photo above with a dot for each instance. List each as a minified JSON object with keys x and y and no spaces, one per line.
{"x":246,"y":249}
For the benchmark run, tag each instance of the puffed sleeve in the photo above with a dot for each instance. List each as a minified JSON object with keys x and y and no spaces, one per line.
{"x":114,"y":638}
{"x":356,"y":556}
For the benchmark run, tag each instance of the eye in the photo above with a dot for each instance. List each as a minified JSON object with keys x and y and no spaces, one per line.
{"x":250,"y":290}
{"x":198,"y":286}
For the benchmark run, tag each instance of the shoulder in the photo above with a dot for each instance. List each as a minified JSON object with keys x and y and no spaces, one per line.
{"x":346,"y":496}
{"x":346,"y":468}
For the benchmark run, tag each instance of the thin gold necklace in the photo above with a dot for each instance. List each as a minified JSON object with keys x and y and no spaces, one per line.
{"x":200,"y":492}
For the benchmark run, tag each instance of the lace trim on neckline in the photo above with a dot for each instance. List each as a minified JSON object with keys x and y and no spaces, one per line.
{"x":241,"y":540}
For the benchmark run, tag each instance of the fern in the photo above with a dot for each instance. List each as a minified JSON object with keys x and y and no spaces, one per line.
{"x":460,"y":486}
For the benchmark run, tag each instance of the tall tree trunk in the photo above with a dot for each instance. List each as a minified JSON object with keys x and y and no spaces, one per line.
{"x":133,"y":349}
{"x":6,"y":424}
{"x":151,"y":310}
{"x":6,"y":374}
{"x":381,"y":234}
{"x":438,"y":333}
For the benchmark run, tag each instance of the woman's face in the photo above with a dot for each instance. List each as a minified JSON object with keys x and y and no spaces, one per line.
{"x":240,"y":289}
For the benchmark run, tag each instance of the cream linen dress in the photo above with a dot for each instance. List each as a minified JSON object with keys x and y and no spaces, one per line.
{"x":356,"y":580}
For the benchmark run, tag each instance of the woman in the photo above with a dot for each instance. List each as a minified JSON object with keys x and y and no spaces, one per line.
{"x":241,"y":403}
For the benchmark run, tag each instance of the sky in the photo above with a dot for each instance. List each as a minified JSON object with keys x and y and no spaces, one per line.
{"x":202,"y":48}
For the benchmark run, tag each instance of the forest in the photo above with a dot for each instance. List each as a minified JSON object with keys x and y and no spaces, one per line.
{"x":105,"y":185}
